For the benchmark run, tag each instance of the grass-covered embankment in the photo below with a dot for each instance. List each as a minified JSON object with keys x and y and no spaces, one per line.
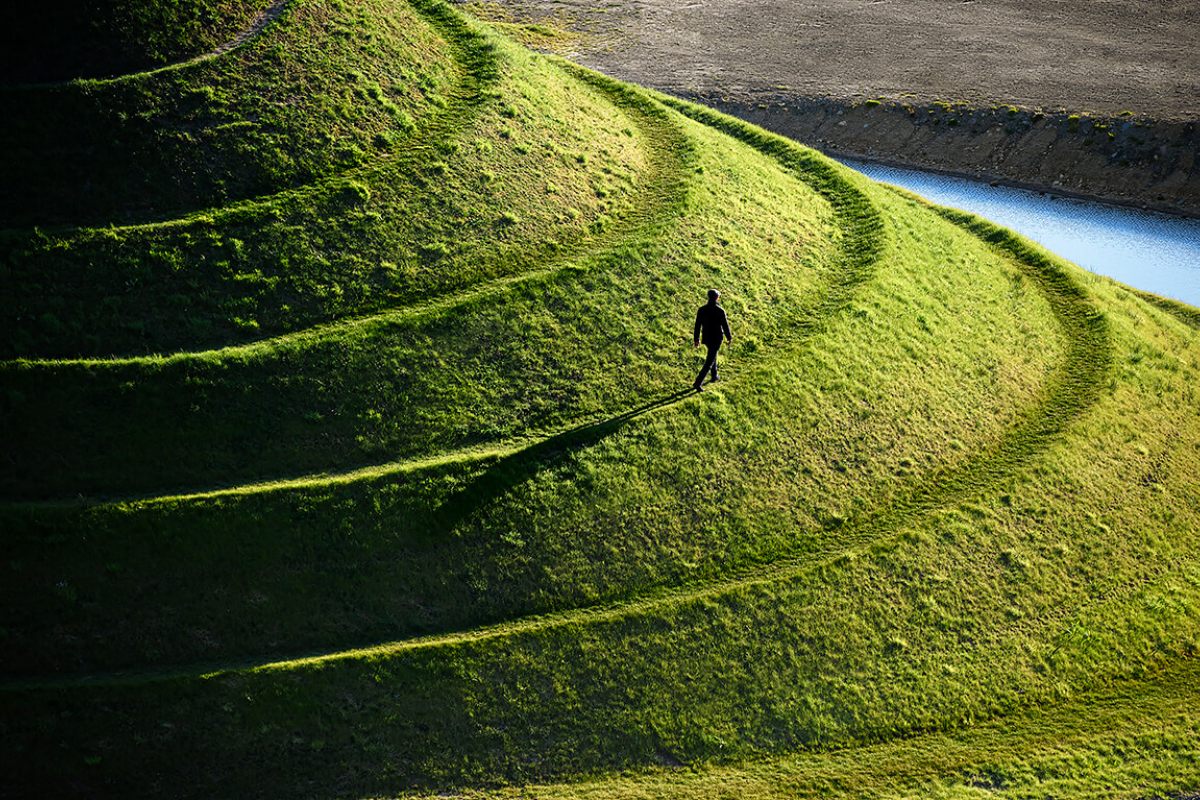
{"x":470,"y":531}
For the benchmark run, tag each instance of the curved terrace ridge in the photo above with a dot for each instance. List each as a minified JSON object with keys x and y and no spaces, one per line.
{"x":242,"y":38}
{"x":1071,"y":390}
{"x":655,"y":199}
{"x":478,"y":71}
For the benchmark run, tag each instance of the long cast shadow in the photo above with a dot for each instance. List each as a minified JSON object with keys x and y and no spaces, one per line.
{"x":514,"y":469}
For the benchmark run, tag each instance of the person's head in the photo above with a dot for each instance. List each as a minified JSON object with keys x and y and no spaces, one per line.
{"x":713,"y":295}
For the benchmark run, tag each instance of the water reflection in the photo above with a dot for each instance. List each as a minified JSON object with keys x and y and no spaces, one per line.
{"x":1155,"y":252}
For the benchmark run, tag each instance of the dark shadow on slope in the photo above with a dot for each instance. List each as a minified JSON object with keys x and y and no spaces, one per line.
{"x":515,"y":469}
{"x":369,"y":565}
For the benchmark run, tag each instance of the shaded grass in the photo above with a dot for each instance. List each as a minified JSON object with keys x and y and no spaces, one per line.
{"x":309,"y":97}
{"x":398,"y":233}
{"x":1186,"y":314}
{"x":65,"y":39}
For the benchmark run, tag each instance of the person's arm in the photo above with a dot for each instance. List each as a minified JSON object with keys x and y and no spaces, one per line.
{"x":725,"y":326}
{"x":696,"y":331}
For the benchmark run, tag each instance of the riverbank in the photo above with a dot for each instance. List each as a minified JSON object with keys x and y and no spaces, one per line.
{"x":1151,"y":252}
{"x":1125,"y":159}
{"x":1083,"y":99}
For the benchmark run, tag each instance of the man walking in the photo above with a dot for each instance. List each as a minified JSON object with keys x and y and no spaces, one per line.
{"x":711,"y":325}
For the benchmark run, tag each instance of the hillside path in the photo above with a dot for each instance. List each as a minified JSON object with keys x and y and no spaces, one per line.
{"x":251,"y":32}
{"x":265,"y":18}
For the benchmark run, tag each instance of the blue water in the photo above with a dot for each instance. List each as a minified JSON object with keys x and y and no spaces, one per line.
{"x":1155,"y":252}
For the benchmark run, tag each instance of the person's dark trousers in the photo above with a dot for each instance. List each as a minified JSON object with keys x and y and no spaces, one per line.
{"x":710,"y":362}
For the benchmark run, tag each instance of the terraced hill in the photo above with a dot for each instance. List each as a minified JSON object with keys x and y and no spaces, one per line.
{"x":346,"y":452}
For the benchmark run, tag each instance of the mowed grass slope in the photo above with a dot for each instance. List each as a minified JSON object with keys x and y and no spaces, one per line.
{"x":401,"y":491}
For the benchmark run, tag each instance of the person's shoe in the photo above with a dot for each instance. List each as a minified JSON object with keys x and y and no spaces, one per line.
{"x":697,"y":387}
{"x":714,"y":379}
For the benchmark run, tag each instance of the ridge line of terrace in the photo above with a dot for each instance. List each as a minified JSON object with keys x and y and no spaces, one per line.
{"x":242,"y":38}
{"x":474,"y":79}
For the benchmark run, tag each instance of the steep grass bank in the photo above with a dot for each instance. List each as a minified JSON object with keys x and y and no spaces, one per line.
{"x":479,"y":504}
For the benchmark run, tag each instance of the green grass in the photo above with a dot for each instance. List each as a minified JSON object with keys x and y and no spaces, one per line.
{"x":379,"y":477}
{"x":1146,"y":738}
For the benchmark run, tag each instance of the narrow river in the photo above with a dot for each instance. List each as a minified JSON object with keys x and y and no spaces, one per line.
{"x":1155,"y":252}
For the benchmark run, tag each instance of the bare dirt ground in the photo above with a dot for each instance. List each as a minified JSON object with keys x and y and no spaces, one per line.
{"x":1100,"y":56}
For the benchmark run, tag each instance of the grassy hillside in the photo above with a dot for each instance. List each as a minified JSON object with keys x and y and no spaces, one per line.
{"x":348,"y":452}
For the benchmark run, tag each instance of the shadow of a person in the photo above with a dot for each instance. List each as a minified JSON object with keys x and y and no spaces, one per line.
{"x":516,"y":468}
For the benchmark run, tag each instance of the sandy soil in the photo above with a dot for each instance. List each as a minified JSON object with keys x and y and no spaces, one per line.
{"x":1102,"y":56}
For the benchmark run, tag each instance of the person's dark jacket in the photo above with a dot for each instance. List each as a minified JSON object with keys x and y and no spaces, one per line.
{"x":711,"y":324}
